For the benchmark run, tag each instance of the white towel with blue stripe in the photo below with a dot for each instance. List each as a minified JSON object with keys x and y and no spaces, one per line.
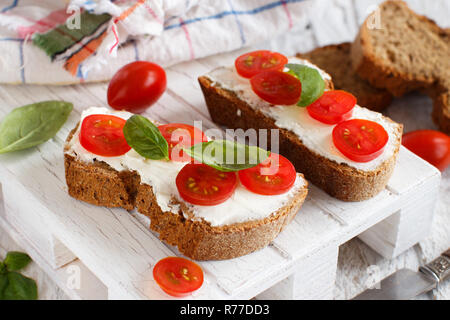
{"x":162,"y":31}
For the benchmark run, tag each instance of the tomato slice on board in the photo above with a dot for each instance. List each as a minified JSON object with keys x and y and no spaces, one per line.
{"x":360,"y":140}
{"x":179,"y":135}
{"x":276,"y":175}
{"x":102,"y":134}
{"x":136,"y":86}
{"x":177,"y":276}
{"x":203,"y":185}
{"x":332,"y":107}
{"x":277,"y":87}
{"x":432,"y":146}
{"x":252,"y":63}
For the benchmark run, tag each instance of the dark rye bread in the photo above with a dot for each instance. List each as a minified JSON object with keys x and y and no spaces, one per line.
{"x":99,"y":184}
{"x":407,"y":52}
{"x":339,"y":180}
{"x":336,"y":61}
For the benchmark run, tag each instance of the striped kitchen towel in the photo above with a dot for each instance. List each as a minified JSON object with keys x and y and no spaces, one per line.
{"x":65,"y":42}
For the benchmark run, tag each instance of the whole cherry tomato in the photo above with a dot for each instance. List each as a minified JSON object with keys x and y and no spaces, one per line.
{"x":432,"y":146}
{"x":136,"y":86}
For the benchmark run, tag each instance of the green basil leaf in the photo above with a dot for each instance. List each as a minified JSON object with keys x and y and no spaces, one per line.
{"x":15,"y":261}
{"x":3,"y":284}
{"x":145,"y":138}
{"x":226,"y":155}
{"x":19,"y":287}
{"x":312,"y":83}
{"x":33,"y":124}
{"x":2,"y":268}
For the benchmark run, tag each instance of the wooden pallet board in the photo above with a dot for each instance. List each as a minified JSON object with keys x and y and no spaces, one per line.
{"x":117,"y":249}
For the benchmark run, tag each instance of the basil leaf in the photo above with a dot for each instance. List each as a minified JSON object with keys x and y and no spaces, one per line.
{"x":2,"y":268}
{"x":33,"y":124}
{"x":226,"y":155}
{"x":312,"y":83}
{"x":19,"y":287}
{"x":145,"y":138}
{"x":3,"y":284}
{"x":16,"y":260}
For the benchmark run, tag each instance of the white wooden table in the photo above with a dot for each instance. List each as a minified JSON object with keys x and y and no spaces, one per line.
{"x":322,"y":225}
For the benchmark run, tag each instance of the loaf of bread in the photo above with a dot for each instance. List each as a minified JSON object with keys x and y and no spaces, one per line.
{"x":406,"y":52}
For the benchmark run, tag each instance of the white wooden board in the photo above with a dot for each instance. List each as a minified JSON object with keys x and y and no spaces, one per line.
{"x":120,"y":251}
{"x":47,"y":223}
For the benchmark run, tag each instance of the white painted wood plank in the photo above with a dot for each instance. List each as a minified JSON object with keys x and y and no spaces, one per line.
{"x":410,"y":172}
{"x":312,"y":279}
{"x":90,"y":287}
{"x":350,"y":212}
{"x":90,"y":230}
{"x":87,"y":230}
{"x":311,"y":229}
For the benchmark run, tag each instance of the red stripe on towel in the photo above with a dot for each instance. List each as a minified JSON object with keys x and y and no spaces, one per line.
{"x":286,"y":9}
{"x":49,"y":22}
{"x":188,"y":38}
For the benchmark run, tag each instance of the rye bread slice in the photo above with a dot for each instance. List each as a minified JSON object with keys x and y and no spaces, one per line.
{"x":99,"y":184}
{"x":338,"y":180}
{"x":407,"y":52}
{"x":336,"y":61}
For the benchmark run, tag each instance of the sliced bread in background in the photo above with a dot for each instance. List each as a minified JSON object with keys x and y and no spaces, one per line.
{"x":406,"y":52}
{"x":336,"y":61}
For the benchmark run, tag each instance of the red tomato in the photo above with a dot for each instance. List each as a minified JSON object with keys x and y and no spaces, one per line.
{"x":103,"y":135}
{"x":360,"y":140}
{"x":277,"y":87}
{"x":332,"y":107}
{"x":432,"y":146}
{"x":276,"y":175}
{"x":136,"y":86}
{"x":178,"y":276}
{"x":200,"y":184}
{"x":252,"y":63}
{"x":180,"y":135}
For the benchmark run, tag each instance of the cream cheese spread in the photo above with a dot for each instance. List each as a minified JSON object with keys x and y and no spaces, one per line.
{"x":314,"y":134}
{"x":243,"y":205}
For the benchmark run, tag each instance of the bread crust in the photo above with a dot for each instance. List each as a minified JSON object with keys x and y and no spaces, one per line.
{"x":441,"y":111}
{"x":99,"y":184}
{"x":338,"y":180}
{"x":373,"y":69}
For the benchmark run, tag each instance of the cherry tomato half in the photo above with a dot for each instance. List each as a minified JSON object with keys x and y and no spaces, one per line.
{"x":102,"y":134}
{"x":136,"y":86}
{"x":277,"y":87}
{"x":276,"y":175}
{"x":433,"y":146}
{"x":178,"y":277}
{"x":360,"y":140}
{"x":252,"y":63}
{"x":179,"y":135}
{"x":203,"y":185}
{"x":332,"y":107}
